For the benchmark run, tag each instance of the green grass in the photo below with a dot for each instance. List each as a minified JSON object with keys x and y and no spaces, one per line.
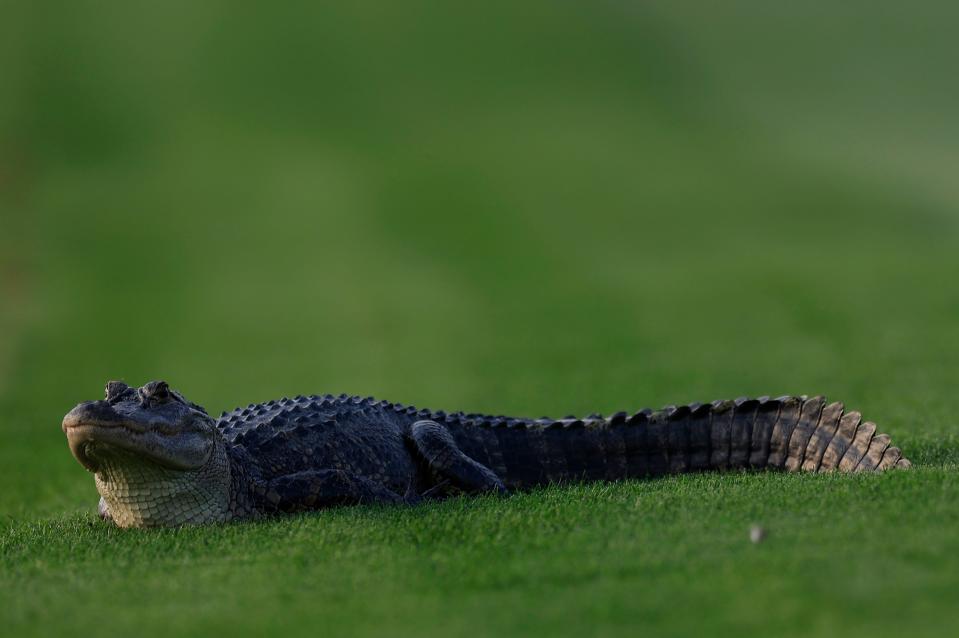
{"x":573,"y":561}
{"x":530,"y":209}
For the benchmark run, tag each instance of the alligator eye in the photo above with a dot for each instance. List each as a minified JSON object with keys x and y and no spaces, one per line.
{"x":115,"y":389}
{"x":154,"y":392}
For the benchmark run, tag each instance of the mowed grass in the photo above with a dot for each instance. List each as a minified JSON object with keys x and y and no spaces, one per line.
{"x":526,"y":210}
{"x":670,"y":556}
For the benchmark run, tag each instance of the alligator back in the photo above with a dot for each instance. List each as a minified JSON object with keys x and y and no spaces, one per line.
{"x":368,"y":437}
{"x":789,"y":433}
{"x":290,"y":435}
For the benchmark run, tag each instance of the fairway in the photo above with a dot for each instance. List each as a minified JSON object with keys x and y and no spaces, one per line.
{"x":540,"y":209}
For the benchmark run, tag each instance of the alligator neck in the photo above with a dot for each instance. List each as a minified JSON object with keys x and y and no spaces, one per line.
{"x":141,"y":494}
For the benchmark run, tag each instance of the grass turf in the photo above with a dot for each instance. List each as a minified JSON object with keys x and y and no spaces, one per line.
{"x":531,"y":210}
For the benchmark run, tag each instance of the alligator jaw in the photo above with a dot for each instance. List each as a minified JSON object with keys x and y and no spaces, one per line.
{"x":86,"y":439}
{"x":80,"y":439}
{"x":94,"y":426}
{"x":83,"y":425}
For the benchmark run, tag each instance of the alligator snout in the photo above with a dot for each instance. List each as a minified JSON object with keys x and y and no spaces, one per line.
{"x":99,"y":413}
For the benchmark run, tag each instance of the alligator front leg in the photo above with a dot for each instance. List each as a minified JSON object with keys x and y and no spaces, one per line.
{"x":435,"y":443}
{"x":321,"y":488}
{"x":103,"y":511}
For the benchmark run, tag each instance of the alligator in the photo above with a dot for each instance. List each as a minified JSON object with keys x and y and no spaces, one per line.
{"x":160,"y":460}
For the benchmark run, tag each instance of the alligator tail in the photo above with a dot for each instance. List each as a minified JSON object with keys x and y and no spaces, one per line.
{"x":787,"y":433}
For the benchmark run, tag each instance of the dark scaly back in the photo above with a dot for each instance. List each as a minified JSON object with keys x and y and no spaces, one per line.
{"x":286,"y":436}
{"x":369,"y":437}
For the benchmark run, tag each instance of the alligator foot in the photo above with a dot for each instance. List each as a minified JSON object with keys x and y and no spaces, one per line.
{"x":435,"y":443}
{"x":103,"y":511}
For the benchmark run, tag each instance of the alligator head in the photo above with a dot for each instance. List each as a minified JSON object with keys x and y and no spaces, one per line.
{"x":155,"y":455}
{"x":152,"y":422}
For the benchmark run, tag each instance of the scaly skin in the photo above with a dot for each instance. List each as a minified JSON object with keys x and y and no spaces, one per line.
{"x":160,"y":460}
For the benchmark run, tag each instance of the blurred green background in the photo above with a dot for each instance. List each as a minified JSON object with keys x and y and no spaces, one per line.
{"x":531,"y":208}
